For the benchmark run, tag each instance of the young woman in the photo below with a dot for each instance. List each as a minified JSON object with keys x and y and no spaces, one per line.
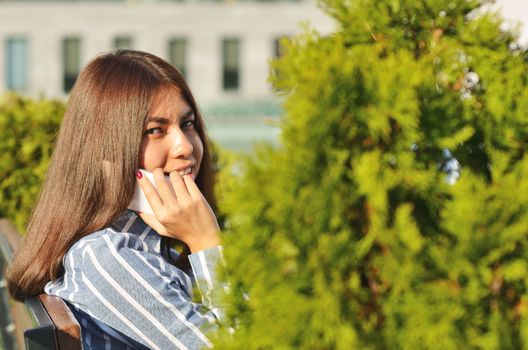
{"x":113,"y":266}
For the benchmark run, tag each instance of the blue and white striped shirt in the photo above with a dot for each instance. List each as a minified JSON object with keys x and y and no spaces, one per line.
{"x":125,"y":295}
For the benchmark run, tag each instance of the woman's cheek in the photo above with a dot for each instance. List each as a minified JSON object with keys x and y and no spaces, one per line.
{"x":198,"y":149}
{"x":143,"y":153}
{"x":152,"y":159}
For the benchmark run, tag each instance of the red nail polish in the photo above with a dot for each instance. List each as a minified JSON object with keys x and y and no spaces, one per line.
{"x":139,"y":174}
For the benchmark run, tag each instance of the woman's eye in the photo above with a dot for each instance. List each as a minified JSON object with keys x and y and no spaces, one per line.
{"x":188,"y":124}
{"x":153,"y":131}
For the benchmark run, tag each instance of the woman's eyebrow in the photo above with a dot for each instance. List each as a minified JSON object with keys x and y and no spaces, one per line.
{"x":187,"y":114}
{"x":159,"y":120}
{"x":164,"y":121}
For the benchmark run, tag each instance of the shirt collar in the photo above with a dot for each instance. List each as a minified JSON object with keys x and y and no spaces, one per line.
{"x":131,"y":223}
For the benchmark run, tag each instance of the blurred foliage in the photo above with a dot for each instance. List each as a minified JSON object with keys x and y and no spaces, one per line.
{"x":27,"y":130}
{"x":349,"y":235}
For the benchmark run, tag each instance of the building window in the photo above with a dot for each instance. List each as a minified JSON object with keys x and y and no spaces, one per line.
{"x":71,"y":59}
{"x":278,"y":48}
{"x":178,"y":54}
{"x":123,"y":42}
{"x":231,"y":63}
{"x":17,"y":64}
{"x":278,"y":52}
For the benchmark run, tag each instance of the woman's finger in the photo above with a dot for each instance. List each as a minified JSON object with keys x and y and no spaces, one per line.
{"x":165,"y":190}
{"x":182,"y":194}
{"x":152,"y":196}
{"x":192,"y":187}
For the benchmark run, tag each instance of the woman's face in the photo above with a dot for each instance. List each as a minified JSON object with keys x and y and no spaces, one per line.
{"x":170,"y":140}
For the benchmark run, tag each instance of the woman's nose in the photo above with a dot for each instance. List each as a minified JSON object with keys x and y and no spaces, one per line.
{"x":181,"y":146}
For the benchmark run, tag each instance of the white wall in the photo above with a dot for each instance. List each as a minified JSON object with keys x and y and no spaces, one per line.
{"x":152,"y":24}
{"x":516,"y":11}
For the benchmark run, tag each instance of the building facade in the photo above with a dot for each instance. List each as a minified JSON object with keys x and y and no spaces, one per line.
{"x":223,"y":48}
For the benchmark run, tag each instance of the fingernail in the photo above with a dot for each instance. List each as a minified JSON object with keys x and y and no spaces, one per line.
{"x":139,"y":174}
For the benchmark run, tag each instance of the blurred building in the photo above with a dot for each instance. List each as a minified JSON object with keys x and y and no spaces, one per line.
{"x":222,"y":48}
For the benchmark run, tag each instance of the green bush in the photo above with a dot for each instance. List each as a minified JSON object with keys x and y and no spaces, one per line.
{"x":27,"y":129}
{"x":351,"y":234}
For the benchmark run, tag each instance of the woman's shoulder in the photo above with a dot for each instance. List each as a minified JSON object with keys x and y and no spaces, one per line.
{"x":116,"y":257}
{"x":117,"y":252}
{"x":128,"y":232}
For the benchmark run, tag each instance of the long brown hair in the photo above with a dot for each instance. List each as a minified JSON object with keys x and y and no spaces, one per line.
{"x":91,"y":177}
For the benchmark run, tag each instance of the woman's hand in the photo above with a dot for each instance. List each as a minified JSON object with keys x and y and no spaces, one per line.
{"x":182,"y":212}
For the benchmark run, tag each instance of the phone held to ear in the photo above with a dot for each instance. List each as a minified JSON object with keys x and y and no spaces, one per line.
{"x":139,"y":201}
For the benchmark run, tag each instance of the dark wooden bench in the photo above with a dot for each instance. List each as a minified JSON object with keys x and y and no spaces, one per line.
{"x":43,"y":322}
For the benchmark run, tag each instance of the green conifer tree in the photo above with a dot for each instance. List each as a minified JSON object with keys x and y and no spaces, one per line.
{"x":27,"y":132}
{"x":354,"y":233}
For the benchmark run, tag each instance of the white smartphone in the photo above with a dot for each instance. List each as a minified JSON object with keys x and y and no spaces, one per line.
{"x":139,"y":201}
